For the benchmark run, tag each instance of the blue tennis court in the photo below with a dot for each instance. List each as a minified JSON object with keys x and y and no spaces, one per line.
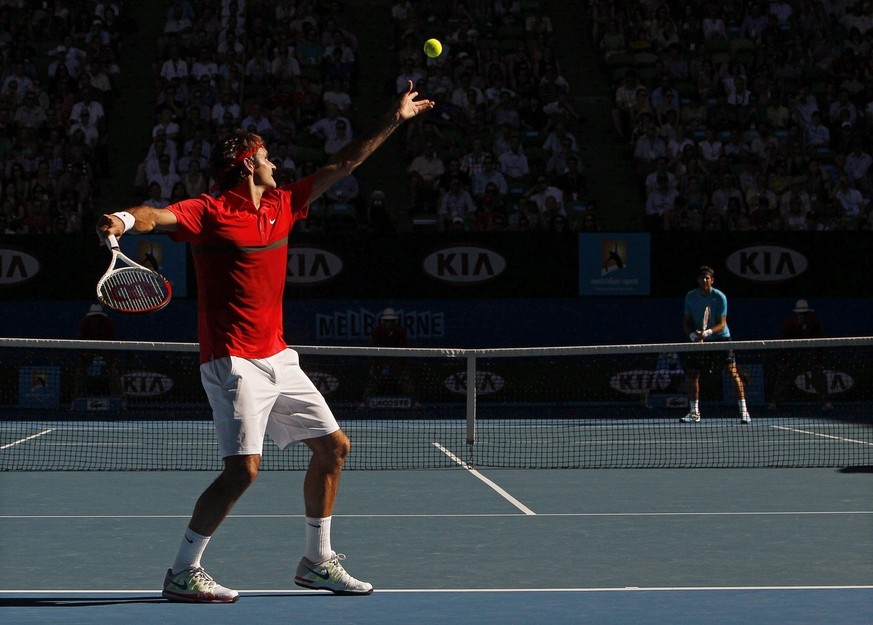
{"x":465,"y":546}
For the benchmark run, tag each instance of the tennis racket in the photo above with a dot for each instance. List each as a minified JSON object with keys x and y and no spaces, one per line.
{"x":705,"y":323}
{"x":131,"y":288}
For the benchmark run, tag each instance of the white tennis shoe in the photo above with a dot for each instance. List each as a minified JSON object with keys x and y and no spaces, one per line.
{"x":196,"y":586}
{"x":330,"y":575}
{"x":691,"y":417}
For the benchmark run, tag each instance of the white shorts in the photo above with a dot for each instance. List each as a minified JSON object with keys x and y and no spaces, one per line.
{"x":254,"y":397}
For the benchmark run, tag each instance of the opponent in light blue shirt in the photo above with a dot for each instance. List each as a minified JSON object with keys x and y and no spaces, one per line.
{"x":697,"y":362}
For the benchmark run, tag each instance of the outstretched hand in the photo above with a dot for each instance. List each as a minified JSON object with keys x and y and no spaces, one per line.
{"x":408,"y":107}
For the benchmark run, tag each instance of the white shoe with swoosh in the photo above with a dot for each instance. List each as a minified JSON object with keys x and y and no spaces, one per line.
{"x":330,"y":575}
{"x":196,"y":586}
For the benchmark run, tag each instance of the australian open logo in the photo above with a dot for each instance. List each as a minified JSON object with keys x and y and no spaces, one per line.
{"x":613,"y":256}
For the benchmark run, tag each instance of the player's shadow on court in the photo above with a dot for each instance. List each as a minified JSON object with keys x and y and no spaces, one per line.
{"x":861,"y":469}
{"x":72,"y":602}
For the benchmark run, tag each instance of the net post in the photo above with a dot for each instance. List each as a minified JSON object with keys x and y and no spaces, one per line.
{"x":471,"y":399}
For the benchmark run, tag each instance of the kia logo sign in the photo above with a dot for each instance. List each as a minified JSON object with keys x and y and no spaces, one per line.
{"x":487,"y":382}
{"x":308,"y":265}
{"x":464,"y":264}
{"x":837,"y":381}
{"x":145,"y":384}
{"x":16,"y":267}
{"x":640,"y":381}
{"x":767,"y":263}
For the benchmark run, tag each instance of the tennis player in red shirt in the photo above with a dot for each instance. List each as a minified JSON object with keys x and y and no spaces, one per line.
{"x":239,"y":240}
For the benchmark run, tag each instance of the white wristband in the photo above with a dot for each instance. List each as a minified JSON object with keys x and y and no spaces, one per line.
{"x":693,"y":336}
{"x":126,"y":218}
{"x":707,"y":332}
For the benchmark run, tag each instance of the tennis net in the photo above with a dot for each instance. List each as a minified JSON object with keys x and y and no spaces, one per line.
{"x":73,"y":405}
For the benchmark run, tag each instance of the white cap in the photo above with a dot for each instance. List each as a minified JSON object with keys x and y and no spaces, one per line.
{"x":802,"y":306}
{"x":388,"y":313}
{"x":96,"y":309}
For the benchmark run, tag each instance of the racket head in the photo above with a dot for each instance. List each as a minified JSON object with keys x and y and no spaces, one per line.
{"x":706,"y":313}
{"x":134,"y":290}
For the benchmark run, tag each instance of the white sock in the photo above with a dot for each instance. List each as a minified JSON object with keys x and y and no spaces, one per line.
{"x":742,"y":405}
{"x":694,"y":405}
{"x":318,"y":539}
{"x":190,"y":551}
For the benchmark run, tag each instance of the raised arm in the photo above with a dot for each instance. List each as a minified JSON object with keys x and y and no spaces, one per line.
{"x":356,"y":152}
{"x":144,"y":219}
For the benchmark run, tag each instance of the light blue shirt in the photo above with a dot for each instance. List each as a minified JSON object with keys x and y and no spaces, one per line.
{"x":696,"y":302}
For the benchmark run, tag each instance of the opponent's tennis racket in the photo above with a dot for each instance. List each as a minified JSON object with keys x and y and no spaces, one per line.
{"x":705,"y":324}
{"x":131,"y":288}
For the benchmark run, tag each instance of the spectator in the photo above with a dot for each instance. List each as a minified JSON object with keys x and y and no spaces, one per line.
{"x":389,"y":375}
{"x":817,"y":134}
{"x":166,"y":176}
{"x":797,"y":364}
{"x":489,"y":174}
{"x":851,"y":203}
{"x":194,"y":180}
{"x":513,"y":163}
{"x":858,"y":167}
{"x":337,"y":95}
{"x":649,"y":148}
{"x":710,"y":147}
{"x":660,"y":200}
{"x":342,"y":136}
{"x":257,"y":122}
{"x":345,"y":190}
{"x":424,"y":176}
{"x":94,"y":108}
{"x":175,"y":68}
{"x":455,"y":202}
{"x":625,"y":103}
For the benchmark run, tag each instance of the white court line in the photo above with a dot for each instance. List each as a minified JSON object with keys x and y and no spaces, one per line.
{"x":24,"y":440}
{"x":297,"y":591}
{"x":515,"y":502}
{"x":820,"y":435}
{"x":9,"y":517}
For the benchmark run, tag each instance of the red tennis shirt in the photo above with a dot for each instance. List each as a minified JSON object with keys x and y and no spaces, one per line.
{"x":240,"y":257}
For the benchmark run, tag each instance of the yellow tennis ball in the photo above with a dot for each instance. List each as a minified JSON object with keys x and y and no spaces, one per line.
{"x":433,"y":48}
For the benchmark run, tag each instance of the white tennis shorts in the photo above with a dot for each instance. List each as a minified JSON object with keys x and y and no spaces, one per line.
{"x":254,"y":397}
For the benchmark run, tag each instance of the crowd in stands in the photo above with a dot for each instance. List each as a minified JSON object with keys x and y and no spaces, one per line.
{"x":736,"y":116}
{"x":502,"y":128}
{"x":285,"y":70}
{"x":501,"y":149}
{"x":744,"y":116}
{"x":59,"y":62}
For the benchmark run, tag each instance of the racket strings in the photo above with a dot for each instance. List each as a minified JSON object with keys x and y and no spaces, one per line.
{"x":134,"y":290}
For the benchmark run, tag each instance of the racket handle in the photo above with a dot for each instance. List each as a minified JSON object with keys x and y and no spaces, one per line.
{"x":111,"y":241}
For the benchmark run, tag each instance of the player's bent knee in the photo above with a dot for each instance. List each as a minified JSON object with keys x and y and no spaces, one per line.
{"x":241,"y":471}
{"x":331,"y":449}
